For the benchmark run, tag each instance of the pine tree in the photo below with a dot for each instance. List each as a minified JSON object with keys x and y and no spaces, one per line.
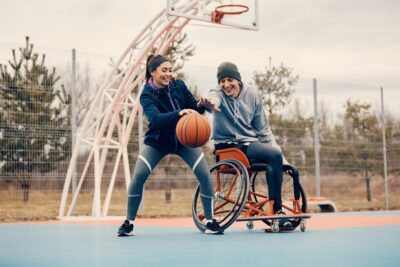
{"x":35,"y":132}
{"x":180,"y":51}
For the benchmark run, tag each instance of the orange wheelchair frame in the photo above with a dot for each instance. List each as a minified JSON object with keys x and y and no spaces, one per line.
{"x":240,"y":196}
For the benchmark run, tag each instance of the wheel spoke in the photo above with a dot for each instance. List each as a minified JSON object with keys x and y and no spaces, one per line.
{"x":230,"y":183}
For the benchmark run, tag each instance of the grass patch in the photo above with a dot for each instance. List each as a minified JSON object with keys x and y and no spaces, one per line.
{"x":348,"y":193}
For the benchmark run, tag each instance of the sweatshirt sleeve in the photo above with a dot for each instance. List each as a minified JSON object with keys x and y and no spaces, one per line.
{"x":261,"y":125}
{"x":156,"y":118}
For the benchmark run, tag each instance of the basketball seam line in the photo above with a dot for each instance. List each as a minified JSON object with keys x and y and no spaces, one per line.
{"x":184,"y":129}
{"x":197,"y":131}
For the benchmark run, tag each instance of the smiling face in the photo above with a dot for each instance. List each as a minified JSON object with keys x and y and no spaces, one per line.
{"x":230,"y":86}
{"x":163,"y":74}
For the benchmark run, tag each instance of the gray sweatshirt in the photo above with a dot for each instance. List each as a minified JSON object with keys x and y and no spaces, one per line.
{"x":241,"y":119}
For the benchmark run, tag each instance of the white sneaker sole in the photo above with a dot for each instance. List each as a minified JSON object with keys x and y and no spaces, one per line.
{"x":210,"y":232}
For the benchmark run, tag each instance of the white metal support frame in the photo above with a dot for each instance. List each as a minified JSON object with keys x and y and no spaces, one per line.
{"x":115,"y":107}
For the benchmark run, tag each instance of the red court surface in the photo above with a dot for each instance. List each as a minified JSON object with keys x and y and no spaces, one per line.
{"x":317,"y":221}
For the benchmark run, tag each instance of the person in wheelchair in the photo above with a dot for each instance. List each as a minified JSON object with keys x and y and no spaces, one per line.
{"x":240,"y":121}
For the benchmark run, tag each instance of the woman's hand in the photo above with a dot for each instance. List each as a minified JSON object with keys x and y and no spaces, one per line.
{"x":183,"y":112}
{"x":208,"y":104}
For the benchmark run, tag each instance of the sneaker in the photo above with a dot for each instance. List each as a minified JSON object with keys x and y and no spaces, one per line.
{"x":280,"y":212}
{"x":213,"y":228}
{"x":126,"y":229}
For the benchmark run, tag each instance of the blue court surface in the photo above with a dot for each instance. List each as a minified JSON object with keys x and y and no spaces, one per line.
{"x":76,"y":245}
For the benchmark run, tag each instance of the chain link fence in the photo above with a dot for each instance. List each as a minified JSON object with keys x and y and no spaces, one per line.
{"x":36,"y":136}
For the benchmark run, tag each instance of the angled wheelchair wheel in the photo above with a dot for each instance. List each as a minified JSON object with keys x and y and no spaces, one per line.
{"x":294,"y":199}
{"x":231,"y":181}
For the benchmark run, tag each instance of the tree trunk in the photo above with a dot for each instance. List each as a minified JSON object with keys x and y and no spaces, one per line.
{"x":367,"y":183}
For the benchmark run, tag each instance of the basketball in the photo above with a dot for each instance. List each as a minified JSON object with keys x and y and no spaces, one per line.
{"x":193,"y":130}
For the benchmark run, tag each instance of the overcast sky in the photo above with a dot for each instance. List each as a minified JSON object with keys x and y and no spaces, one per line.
{"x":352,"y":47}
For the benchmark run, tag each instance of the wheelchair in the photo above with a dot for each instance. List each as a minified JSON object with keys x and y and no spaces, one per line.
{"x":242,"y":195}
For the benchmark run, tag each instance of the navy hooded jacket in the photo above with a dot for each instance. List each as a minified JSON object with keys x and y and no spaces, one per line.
{"x":162,"y":107}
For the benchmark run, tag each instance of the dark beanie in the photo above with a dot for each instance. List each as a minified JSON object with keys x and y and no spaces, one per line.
{"x":228,"y":69}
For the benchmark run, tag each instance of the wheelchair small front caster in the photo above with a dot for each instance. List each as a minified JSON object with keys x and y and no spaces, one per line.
{"x":250,"y":225}
{"x":303,"y":225}
{"x":275,"y":226}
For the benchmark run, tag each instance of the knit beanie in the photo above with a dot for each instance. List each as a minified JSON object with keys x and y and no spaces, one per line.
{"x":228,"y":69}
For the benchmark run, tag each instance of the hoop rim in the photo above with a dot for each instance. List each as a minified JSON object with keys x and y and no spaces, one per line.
{"x":219,"y":11}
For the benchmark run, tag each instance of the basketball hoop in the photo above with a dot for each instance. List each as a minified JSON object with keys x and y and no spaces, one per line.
{"x":220,"y":11}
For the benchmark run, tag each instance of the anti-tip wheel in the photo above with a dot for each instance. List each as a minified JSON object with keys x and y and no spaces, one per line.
{"x":275,"y":226}
{"x":303,"y":225}
{"x":250,"y":225}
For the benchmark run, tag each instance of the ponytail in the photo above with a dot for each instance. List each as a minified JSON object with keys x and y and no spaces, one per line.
{"x":148,"y":74}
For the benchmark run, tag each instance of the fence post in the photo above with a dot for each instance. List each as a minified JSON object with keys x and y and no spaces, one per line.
{"x":73,"y":119}
{"x":316,"y":142}
{"x":384,"y":152}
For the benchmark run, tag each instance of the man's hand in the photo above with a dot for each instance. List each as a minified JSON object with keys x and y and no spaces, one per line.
{"x":208,"y":104}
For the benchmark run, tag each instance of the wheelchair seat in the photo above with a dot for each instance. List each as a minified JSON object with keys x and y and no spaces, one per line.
{"x":236,"y":153}
{"x":257,"y":166}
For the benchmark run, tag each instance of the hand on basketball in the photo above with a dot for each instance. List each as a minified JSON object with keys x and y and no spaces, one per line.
{"x":208,"y":104}
{"x":184,"y":112}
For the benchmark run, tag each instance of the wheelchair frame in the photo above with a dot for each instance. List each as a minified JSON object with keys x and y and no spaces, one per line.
{"x":240,"y":196}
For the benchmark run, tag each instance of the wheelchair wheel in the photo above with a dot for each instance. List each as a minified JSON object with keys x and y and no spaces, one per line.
{"x":231,"y":181}
{"x":291,"y":190}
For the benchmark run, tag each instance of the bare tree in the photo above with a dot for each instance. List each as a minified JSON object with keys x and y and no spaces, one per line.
{"x":362,"y":130}
{"x":277,"y":86}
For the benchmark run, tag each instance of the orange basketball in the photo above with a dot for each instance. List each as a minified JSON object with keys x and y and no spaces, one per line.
{"x":193,"y":130}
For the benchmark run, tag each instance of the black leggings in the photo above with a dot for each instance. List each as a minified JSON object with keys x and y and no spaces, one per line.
{"x":266,"y":153}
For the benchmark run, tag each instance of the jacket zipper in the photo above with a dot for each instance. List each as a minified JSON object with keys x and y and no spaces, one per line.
{"x":173,"y":106}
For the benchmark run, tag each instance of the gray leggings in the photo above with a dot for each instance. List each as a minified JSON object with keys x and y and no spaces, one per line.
{"x":148,"y":159}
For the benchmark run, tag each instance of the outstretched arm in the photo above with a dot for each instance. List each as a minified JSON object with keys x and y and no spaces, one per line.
{"x":212,"y":101}
{"x":208,"y":104}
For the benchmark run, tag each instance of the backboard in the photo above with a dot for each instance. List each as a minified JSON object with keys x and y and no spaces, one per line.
{"x":241,"y":14}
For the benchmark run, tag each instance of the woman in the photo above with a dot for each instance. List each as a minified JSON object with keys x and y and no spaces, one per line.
{"x":240,"y":121}
{"x":165,"y":100}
